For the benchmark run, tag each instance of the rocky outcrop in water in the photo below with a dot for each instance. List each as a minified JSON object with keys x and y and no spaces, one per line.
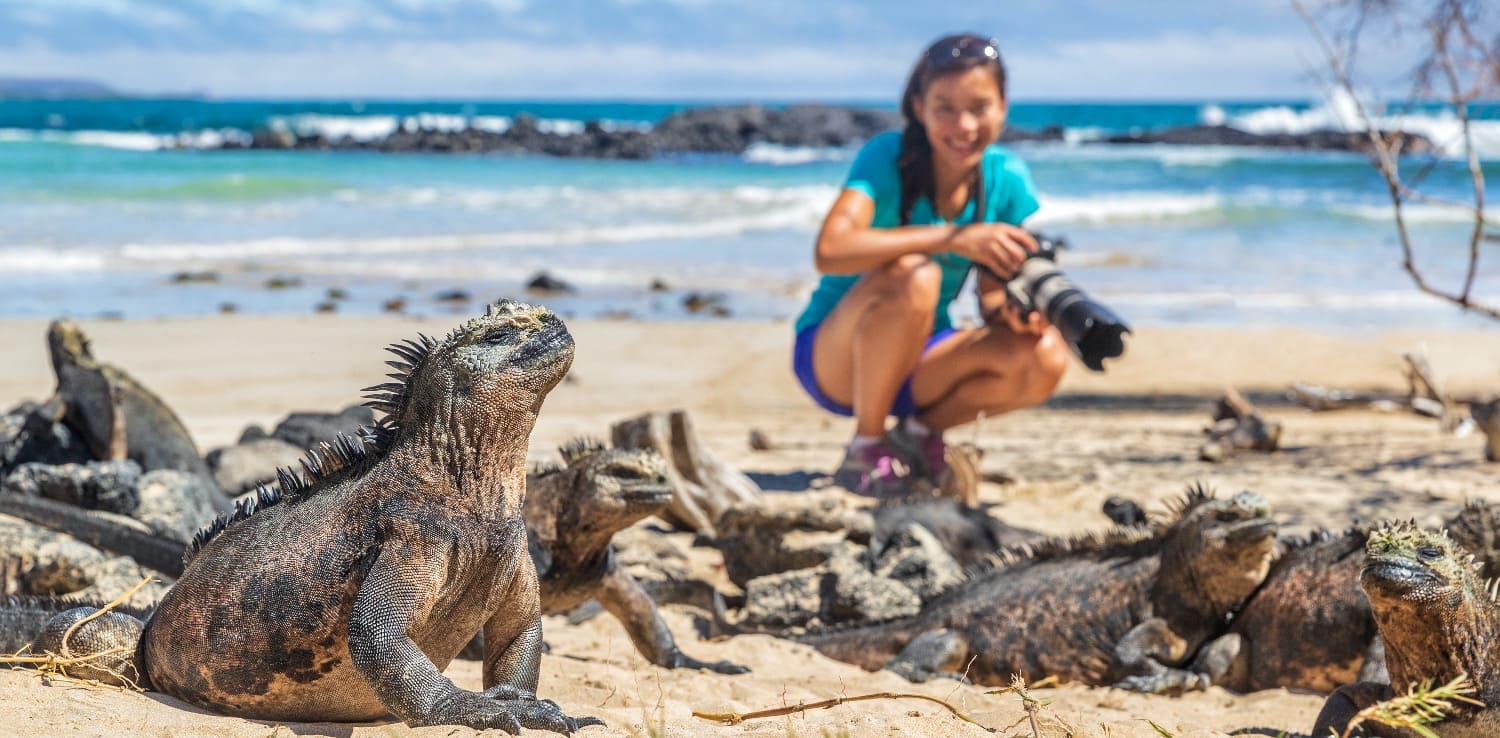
{"x":1325,"y":140}
{"x":714,"y":130}
{"x":734,"y":129}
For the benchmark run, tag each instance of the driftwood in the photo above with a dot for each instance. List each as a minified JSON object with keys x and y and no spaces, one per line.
{"x":1487,"y":416}
{"x":1424,"y":390}
{"x":703,"y":486}
{"x":961,"y":482}
{"x":1237,"y":426}
{"x":1424,"y":396}
{"x":1323,"y":399}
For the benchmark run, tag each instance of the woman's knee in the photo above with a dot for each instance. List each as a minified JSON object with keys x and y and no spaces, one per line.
{"x":912,"y":277}
{"x":1049,"y":361}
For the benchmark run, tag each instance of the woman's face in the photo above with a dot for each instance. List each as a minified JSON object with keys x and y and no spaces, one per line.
{"x":963,"y":113}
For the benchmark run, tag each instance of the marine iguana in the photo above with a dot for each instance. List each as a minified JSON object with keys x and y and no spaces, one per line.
{"x":1128,"y":608}
{"x":1309,"y":625}
{"x":573,"y":512}
{"x":1438,"y":620}
{"x":342,"y":593}
{"x":116,"y":415}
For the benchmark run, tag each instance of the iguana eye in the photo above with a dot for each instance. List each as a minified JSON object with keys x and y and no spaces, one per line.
{"x":1429,"y":553}
{"x":498,"y":335}
{"x":1226,"y":516}
{"x":628,"y":472}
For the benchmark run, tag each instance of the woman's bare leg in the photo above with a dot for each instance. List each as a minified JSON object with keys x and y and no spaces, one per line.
{"x":871,"y":341}
{"x":989,"y":370}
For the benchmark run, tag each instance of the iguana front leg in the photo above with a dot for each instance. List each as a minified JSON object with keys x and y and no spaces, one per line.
{"x":1140,"y":655}
{"x":513,"y":656}
{"x":398,"y":592}
{"x":1225,"y":661}
{"x":935,"y":654}
{"x":628,"y":601}
{"x":1346,"y":702}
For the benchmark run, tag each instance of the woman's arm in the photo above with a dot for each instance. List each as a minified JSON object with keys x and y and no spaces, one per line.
{"x":848,"y":245}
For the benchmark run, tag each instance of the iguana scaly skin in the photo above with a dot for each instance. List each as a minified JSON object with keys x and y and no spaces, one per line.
{"x":1438,"y":619}
{"x":341,"y":595}
{"x":1307,"y":627}
{"x":573,"y":512}
{"x":37,"y":625}
{"x":1129,"y":608}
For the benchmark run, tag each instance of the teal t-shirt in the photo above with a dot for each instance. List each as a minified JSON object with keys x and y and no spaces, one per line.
{"x":1009,"y":194}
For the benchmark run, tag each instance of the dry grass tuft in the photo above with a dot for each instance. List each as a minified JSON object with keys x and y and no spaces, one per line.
{"x":1033,"y":707}
{"x":1421,"y":706}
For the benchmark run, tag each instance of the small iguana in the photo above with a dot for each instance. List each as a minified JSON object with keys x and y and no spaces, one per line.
{"x":572,"y":514}
{"x":1438,"y":619}
{"x":342,"y":594}
{"x":117,"y":416}
{"x":1129,"y":608}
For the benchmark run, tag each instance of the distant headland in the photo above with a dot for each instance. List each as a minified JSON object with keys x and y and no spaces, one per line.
{"x":54,"y":88}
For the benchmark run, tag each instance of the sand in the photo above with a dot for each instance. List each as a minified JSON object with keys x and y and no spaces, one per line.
{"x":1133,"y":431}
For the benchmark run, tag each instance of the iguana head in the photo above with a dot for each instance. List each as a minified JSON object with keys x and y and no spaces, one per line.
{"x":611,"y":488}
{"x":500,"y":364}
{"x":1219,"y":550}
{"x":1405,"y":564}
{"x":67,"y":344}
{"x":1436,"y":617}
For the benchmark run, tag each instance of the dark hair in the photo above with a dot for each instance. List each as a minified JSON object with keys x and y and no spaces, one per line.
{"x":947,"y":55}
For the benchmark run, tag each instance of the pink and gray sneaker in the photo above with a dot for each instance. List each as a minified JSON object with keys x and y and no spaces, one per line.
{"x":874,"y":470}
{"x":927,"y":454}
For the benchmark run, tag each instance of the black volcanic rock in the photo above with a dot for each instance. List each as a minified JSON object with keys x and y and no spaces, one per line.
{"x":733,"y":129}
{"x":1018,"y":135}
{"x":1323,"y":140}
{"x":718,"y":130}
{"x":543,"y":283}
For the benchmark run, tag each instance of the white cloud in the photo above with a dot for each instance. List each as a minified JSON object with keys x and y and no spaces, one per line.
{"x":1216,"y":64}
{"x":476,"y":68}
{"x":508,"y":7}
{"x":333,"y":54}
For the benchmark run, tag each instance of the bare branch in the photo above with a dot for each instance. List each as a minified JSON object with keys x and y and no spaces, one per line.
{"x":1463,"y":67}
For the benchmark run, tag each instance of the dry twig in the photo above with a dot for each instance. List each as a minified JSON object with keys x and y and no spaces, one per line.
{"x":735,"y":718}
{"x":1031,"y":706}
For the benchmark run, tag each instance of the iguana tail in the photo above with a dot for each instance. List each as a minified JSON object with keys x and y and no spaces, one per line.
{"x":101,"y":649}
{"x":868,"y":645}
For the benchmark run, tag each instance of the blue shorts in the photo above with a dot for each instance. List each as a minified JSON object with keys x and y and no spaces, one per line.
{"x":802,"y":364}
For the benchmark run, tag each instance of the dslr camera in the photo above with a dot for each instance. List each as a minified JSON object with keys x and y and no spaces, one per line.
{"x":1093,"y":331}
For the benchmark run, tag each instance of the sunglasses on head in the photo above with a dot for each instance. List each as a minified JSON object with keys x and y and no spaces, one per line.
{"x":963,"y":47}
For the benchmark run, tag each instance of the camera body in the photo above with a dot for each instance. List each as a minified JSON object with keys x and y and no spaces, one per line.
{"x":1093,"y":331}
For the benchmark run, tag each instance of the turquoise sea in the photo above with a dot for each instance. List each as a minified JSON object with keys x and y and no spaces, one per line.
{"x":103,"y":202}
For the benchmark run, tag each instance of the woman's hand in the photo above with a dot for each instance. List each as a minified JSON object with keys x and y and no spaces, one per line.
{"x":998,"y":247}
{"x":1032,"y":324}
{"x":996,"y":307}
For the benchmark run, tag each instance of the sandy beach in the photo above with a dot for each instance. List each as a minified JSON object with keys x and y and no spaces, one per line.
{"x":1134,"y":431}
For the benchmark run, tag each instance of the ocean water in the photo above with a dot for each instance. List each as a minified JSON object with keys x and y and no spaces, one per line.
{"x":104,"y":203}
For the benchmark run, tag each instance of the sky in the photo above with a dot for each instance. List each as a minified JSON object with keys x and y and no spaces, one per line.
{"x":836,"y":50}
